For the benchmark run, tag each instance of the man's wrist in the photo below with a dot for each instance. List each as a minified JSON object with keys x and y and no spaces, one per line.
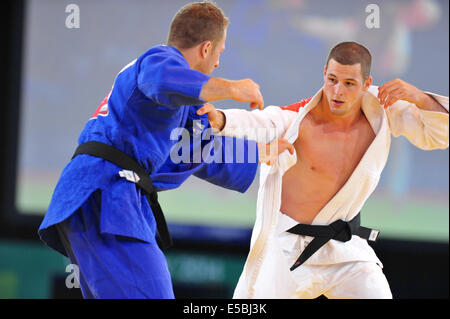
{"x":217,"y":89}
{"x":231,"y":89}
{"x":228,"y":88}
{"x":423,"y":100}
{"x":428,"y":103}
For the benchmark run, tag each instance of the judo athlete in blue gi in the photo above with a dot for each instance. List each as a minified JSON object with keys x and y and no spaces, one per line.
{"x":100,"y":214}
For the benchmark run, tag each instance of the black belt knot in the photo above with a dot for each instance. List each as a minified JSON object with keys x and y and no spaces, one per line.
{"x":338,"y":230}
{"x":342,"y":230}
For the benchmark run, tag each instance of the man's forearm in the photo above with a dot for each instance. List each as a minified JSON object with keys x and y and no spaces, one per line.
{"x":241,"y":90}
{"x":217,"y":89}
{"x":397,"y":89}
{"x":428,"y":103}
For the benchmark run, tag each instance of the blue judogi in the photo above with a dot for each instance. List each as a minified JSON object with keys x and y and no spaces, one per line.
{"x":103,"y":222}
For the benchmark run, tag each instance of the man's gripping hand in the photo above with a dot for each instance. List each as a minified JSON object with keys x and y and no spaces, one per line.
{"x":397,"y":89}
{"x":268,"y":153}
{"x":248,"y":91}
{"x":216,"y":118}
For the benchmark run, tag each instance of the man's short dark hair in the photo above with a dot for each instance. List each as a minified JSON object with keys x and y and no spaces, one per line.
{"x":349,"y":53}
{"x":195,"y":23}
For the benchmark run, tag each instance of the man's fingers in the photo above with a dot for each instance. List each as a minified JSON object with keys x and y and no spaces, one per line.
{"x":393,"y":96}
{"x":390,"y":92}
{"x":260,"y":100}
{"x":259,"y":105}
{"x":386,"y":90}
{"x":257,"y":96}
{"x":391,"y":100}
{"x":283,"y":145}
{"x":206,"y":108}
{"x":390,"y":83}
{"x":386,"y":86}
{"x":249,"y":91}
{"x":201,"y":111}
{"x":291,"y":148}
{"x":390,"y":89}
{"x":268,"y":153}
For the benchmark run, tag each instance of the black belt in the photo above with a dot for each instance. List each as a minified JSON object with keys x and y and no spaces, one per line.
{"x":115,"y":156}
{"x":338,"y":230}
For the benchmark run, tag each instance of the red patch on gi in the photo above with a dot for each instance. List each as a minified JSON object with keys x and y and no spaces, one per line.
{"x":296,"y":106}
{"x":102,"y":109}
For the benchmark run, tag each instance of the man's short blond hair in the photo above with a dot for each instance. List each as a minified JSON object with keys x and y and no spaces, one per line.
{"x":195,"y":23}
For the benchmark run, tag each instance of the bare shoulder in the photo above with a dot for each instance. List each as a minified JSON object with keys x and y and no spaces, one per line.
{"x":306,"y":124}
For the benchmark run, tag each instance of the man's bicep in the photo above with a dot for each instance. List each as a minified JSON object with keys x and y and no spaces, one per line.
{"x":167,"y":81}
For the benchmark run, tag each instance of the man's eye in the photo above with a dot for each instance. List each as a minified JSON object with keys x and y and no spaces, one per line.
{"x":350,"y":83}
{"x":332,"y":80}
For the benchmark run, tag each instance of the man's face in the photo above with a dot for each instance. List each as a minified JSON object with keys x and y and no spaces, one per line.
{"x":212,"y":59}
{"x":344,"y":86}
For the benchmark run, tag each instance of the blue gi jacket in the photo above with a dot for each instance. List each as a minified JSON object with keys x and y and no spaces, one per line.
{"x":150,"y":97}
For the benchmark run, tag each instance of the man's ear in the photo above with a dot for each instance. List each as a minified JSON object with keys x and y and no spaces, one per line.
{"x":205,"y":49}
{"x":325,"y":70}
{"x":367,"y":83}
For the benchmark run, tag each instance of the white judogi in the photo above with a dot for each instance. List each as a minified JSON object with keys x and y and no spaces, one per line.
{"x":266,"y":272}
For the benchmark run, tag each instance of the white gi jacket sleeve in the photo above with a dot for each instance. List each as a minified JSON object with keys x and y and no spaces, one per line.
{"x":262,"y":126}
{"x":427,"y":130}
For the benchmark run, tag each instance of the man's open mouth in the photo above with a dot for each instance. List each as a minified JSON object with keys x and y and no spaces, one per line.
{"x":337,"y":102}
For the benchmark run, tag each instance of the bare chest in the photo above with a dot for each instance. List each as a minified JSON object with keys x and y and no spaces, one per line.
{"x":326,"y":158}
{"x":332,"y":154}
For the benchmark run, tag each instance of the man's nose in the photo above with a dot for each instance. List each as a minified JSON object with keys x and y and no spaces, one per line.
{"x":338,"y":89}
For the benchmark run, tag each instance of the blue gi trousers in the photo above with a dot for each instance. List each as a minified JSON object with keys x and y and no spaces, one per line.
{"x":113,"y":266}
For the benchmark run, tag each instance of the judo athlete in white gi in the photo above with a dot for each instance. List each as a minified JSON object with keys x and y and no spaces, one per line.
{"x":341,"y":137}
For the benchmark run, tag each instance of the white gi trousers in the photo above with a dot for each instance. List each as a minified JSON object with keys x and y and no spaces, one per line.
{"x":357,"y":279}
